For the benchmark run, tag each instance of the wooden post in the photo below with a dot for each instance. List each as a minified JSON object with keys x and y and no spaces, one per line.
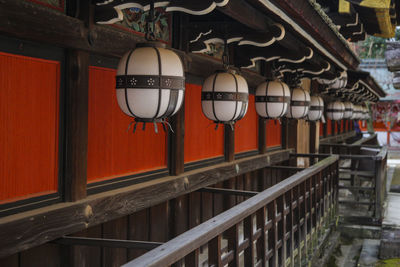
{"x":284,"y":133}
{"x":176,"y":143}
{"x":313,"y":140}
{"x":262,"y":135}
{"x":76,"y":124}
{"x":292,"y":134}
{"x":229,"y":143}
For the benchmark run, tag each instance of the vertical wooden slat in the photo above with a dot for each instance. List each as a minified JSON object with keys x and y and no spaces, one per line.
{"x":306,"y":210}
{"x":11,"y":261}
{"x":284,"y":227}
{"x":76,"y":124}
{"x":313,"y":140}
{"x":179,"y":215}
{"x":159,"y":228}
{"x":207,"y":206}
{"x":262,"y":135}
{"x":249,"y":253}
{"x":291,"y":224}
{"x":192,"y":260}
{"x":229,"y":143}
{"x":214,"y":252}
{"x":233,"y":243}
{"x":44,"y":255}
{"x":138,"y":229}
{"x":261,"y":249}
{"x":194,"y":209}
{"x":116,"y":229}
{"x":218,"y":201}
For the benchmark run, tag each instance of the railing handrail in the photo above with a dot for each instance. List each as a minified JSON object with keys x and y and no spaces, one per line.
{"x":177,"y":248}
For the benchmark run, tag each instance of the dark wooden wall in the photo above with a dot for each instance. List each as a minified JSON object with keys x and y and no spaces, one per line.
{"x":158,"y":223}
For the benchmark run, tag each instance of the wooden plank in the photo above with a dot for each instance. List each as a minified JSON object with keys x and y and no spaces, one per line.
{"x":214,"y":252}
{"x":76,"y":124}
{"x":179,"y":208}
{"x":159,"y":222}
{"x":44,"y":255}
{"x":138,"y":229}
{"x":115,"y":229}
{"x":11,"y":261}
{"x":29,"y":229}
{"x":194,"y":209}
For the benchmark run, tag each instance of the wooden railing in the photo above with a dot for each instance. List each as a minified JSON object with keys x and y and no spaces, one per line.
{"x":362,"y":177}
{"x":279,"y":226}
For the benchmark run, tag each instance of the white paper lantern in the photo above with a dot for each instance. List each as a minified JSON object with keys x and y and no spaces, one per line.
{"x":365,"y":114}
{"x":341,"y":82}
{"x":356,"y":112}
{"x":335,"y":110}
{"x":224,"y":97}
{"x":150,"y":83}
{"x":348,"y":110}
{"x":316,"y":108}
{"x":272,"y":99}
{"x":299,"y":104}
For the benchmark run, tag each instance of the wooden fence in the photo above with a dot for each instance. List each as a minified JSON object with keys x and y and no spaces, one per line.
{"x":278,"y":227}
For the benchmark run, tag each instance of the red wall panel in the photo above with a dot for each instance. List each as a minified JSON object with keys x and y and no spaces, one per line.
{"x":112,"y":150}
{"x":246,"y":130}
{"x":201,"y":140}
{"x":274,"y":133}
{"x":328,"y":127}
{"x":321,"y":129}
{"x":29,"y":122}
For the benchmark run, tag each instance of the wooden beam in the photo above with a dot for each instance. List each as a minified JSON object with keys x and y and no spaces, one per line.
{"x":76,"y":124}
{"x":176,"y":142}
{"x":105,"y":242}
{"x":32,"y":228}
{"x":228,"y":191}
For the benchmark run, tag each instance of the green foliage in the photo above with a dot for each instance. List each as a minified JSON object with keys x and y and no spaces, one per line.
{"x":374,"y":47}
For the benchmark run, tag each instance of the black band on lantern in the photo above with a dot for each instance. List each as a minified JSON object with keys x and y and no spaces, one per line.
{"x":224,"y":96}
{"x":150,"y":82}
{"x":334,"y":110}
{"x":316,"y":108}
{"x":296,"y":103}
{"x":272,"y":99}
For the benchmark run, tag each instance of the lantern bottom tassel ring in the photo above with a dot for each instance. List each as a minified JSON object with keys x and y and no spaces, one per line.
{"x":163,"y":122}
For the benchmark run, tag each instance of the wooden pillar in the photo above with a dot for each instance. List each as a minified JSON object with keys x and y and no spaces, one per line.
{"x":229,"y":143}
{"x":262,"y":135}
{"x":176,"y":143}
{"x":76,"y":124}
{"x":292,"y":134}
{"x":284,"y":133}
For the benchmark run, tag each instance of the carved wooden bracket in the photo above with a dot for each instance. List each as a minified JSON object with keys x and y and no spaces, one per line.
{"x":110,"y":11}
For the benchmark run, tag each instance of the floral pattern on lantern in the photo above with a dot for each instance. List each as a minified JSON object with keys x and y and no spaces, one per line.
{"x":150,"y":83}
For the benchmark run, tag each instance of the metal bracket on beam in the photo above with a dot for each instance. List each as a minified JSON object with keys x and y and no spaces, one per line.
{"x":102,"y":242}
{"x":228,"y":191}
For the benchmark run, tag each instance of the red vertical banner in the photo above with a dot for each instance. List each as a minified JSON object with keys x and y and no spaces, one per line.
{"x":29,"y":119}
{"x":113,"y":150}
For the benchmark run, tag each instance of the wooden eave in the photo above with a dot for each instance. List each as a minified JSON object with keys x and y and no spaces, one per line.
{"x":368,"y":80}
{"x":310,"y":27}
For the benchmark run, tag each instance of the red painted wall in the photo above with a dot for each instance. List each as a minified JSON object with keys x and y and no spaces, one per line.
{"x":29,"y":119}
{"x":201,"y":140}
{"x":246,"y":130}
{"x":328,"y":127}
{"x":274,"y":133}
{"x":112,"y":150}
